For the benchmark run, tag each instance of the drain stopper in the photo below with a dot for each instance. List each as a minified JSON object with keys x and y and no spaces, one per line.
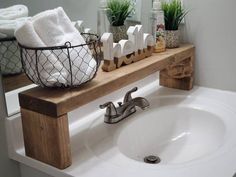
{"x":152,"y":159}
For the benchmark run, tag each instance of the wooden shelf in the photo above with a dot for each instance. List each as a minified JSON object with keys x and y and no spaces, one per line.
{"x":44,"y":111}
{"x":57,"y":102}
{"x":13,"y":82}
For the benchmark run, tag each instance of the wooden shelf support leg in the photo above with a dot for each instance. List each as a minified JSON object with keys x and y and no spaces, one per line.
{"x":179,"y":75}
{"x":47,"y":138}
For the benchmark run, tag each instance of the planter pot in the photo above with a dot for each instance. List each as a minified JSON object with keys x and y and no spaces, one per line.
{"x":172,"y":39}
{"x":119,"y":32}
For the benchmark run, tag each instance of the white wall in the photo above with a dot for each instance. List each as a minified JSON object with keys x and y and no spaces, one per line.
{"x":211,"y":26}
{"x":8,"y":168}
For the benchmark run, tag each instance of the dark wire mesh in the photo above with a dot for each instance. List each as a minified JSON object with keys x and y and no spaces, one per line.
{"x":62,"y":66}
{"x":10,"y":61}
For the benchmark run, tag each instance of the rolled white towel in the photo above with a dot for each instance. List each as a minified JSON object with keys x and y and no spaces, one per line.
{"x":8,"y":27}
{"x":27,"y":36}
{"x":55,"y":29}
{"x":89,"y":64}
{"x":51,"y":70}
{"x":13,"y":12}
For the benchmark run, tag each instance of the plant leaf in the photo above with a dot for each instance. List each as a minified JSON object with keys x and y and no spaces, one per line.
{"x":174,"y":14}
{"x":118,"y":11}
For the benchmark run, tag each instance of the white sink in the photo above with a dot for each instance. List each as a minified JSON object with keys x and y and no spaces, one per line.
{"x":175,"y":134}
{"x":193,"y":132}
{"x":177,"y":129}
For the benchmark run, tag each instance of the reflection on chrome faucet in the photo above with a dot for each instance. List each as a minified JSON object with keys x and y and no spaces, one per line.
{"x":116,"y":114}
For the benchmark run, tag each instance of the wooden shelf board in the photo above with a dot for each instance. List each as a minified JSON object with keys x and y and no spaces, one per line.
{"x":13,"y":82}
{"x":57,"y":102}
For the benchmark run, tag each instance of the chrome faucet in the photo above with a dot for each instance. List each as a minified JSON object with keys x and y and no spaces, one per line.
{"x":116,"y":114}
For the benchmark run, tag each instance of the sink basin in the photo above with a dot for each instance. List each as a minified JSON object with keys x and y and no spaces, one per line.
{"x":177,"y":129}
{"x":174,"y":134}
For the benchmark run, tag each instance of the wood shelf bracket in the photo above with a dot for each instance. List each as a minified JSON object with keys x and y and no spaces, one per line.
{"x":179,"y":75}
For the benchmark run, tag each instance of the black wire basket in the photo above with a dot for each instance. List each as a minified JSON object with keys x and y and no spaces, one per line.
{"x":10,"y":60}
{"x":63,"y":66}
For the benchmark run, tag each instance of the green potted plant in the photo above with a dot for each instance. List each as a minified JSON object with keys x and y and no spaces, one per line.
{"x":174,"y":13}
{"x":117,"y":12}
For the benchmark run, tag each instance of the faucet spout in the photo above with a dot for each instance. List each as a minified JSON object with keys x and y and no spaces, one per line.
{"x":141,"y":102}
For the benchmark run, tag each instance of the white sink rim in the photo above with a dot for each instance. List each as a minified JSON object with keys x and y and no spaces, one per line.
{"x":221,"y":150}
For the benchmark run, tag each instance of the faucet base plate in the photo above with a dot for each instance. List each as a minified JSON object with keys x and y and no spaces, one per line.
{"x":117,"y":120}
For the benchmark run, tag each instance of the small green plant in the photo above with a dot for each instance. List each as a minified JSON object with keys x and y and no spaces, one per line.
{"x":118,"y":11}
{"x":174,"y":14}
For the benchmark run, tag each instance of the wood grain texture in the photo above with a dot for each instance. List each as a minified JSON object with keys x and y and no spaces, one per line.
{"x":179,"y":75}
{"x":13,"y":82}
{"x":57,"y":102}
{"x":47,"y":139}
{"x":109,"y":65}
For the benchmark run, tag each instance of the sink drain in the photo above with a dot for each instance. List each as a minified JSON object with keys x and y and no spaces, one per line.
{"x":152,"y":159}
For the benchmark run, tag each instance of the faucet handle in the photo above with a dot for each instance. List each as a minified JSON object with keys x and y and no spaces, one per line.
{"x":111,"y":109}
{"x":128,"y":97}
{"x":105,"y":105}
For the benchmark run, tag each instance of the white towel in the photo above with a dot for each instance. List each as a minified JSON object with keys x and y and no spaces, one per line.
{"x":13,"y":12}
{"x":89,"y":64}
{"x":8,"y":27}
{"x":51,"y":70}
{"x":27,"y":36}
{"x":55,"y":29}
